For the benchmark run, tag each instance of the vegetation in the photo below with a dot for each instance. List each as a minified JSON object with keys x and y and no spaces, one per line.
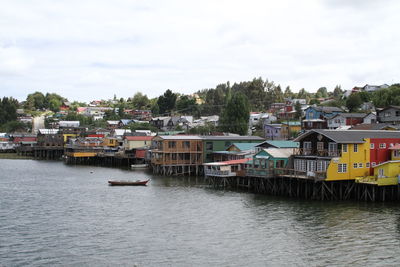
{"x":235,"y":116}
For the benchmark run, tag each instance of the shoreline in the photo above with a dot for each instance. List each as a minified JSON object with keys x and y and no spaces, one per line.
{"x":13,"y":156}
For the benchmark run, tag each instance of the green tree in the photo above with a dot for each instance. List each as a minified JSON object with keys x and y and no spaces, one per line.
{"x":8,"y":109}
{"x":167,"y":102}
{"x":299,"y":111}
{"x":321,"y":92}
{"x":35,"y":101}
{"x":235,"y":116}
{"x":353,"y":102}
{"x":140,"y":101}
{"x":186,"y":105}
{"x":337,"y":92}
{"x":288,"y":93}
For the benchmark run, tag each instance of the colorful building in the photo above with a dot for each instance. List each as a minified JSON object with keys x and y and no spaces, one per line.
{"x":342,"y":155}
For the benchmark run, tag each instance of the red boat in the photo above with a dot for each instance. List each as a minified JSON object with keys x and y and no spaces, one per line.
{"x":124,"y":183}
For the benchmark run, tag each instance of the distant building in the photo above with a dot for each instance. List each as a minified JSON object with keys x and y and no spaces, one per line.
{"x":390,"y":114}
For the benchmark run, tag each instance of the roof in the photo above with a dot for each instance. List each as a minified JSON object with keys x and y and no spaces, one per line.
{"x":48,"y":131}
{"x":292,"y":123}
{"x":281,"y":144}
{"x":387,"y":162}
{"x":353,"y":136}
{"x":229,"y":162}
{"x":180,"y":137}
{"x":326,"y":109}
{"x":223,"y":137}
{"x":138,"y":138}
{"x":244,"y":146}
{"x":121,"y":131}
{"x":375,"y":126}
{"x":279,"y":152}
{"x":351,"y":115}
{"x":113,"y":122}
{"x":388,"y":107}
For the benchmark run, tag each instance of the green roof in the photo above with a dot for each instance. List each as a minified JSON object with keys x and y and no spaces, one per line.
{"x":244,"y":146}
{"x":282,"y":144}
{"x":293,"y":123}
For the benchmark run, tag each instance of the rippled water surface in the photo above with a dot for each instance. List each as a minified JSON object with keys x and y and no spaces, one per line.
{"x":54,"y":214}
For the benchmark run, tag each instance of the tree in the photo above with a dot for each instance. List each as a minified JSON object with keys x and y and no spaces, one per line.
{"x":299,"y":111}
{"x":322,"y":92}
{"x":140,"y":101}
{"x":235,"y":116}
{"x":8,"y":109}
{"x":186,"y":105}
{"x":353,"y":102}
{"x":337,"y":92}
{"x":167,"y":102}
{"x":35,"y":101}
{"x":288,"y":93}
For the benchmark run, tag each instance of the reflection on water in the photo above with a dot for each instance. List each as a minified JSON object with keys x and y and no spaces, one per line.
{"x":53,"y":214}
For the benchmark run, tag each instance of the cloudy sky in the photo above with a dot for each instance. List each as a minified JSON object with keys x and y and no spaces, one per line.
{"x":93,"y":49}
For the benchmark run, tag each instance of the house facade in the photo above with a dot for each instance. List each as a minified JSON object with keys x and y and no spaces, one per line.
{"x":389,"y":114}
{"x":342,"y":155}
{"x":316,"y":117}
{"x":345,"y":119}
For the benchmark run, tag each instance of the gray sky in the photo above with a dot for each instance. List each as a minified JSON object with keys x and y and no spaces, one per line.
{"x":93,"y":49}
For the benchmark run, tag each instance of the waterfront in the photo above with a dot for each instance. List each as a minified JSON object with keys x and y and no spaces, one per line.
{"x":56,"y":214}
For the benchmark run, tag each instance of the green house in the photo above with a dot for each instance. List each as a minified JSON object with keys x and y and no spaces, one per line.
{"x":267,"y":161}
{"x":212,"y":144}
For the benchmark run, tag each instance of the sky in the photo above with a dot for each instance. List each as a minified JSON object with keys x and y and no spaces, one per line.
{"x":95,"y":49}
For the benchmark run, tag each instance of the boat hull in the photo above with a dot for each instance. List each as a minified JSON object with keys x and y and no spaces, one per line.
{"x":127,"y":183}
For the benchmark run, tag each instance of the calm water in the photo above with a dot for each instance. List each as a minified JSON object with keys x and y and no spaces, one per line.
{"x":53,"y":214}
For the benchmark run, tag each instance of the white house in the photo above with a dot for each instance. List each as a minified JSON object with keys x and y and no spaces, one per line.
{"x":370,"y":118}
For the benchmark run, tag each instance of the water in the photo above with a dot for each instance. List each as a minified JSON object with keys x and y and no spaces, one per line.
{"x":53,"y":214}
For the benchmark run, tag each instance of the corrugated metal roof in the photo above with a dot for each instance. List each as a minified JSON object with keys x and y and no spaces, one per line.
{"x":279,"y":152}
{"x":281,"y":144}
{"x":351,"y":136}
{"x":180,"y":137}
{"x":244,"y":146}
{"x":138,"y":138}
{"x":223,"y":137}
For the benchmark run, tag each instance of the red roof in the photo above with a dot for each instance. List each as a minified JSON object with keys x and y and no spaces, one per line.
{"x":139,"y":138}
{"x":24,"y":139}
{"x":230,"y":162}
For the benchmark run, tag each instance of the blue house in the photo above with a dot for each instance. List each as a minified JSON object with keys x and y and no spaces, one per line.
{"x":316,"y":117}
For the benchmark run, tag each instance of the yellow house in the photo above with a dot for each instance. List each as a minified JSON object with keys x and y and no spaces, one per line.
{"x":334,"y":155}
{"x":110,"y":142}
{"x":131,"y":142}
{"x":290,"y":129}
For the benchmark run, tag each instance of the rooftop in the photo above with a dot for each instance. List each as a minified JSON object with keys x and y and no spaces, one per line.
{"x":229,"y":162}
{"x":353,"y":136}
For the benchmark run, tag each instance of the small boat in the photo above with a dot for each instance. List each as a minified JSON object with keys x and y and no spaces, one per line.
{"x":123,"y":183}
{"x":139,"y":166}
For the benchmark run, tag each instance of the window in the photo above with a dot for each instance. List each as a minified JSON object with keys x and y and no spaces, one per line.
{"x":355,"y":165}
{"x":360,"y":165}
{"x":373,"y":164}
{"x":381,"y":173}
{"x":307,"y":148}
{"x":186,"y":144}
{"x":171,"y":144}
{"x":344,"y":147}
{"x":332,"y":149}
{"x":355,"y":148}
{"x":397,"y":113}
{"x":383,"y":145}
{"x":320,"y":146}
{"x":396,"y":153}
{"x":372,"y":146}
{"x":209,"y":146}
{"x":174,"y":156}
{"x":227,"y":144}
{"x":367,"y":165}
{"x":342,"y":167}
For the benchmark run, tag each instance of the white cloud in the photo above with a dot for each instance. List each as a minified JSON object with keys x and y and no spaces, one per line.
{"x":95,"y":49}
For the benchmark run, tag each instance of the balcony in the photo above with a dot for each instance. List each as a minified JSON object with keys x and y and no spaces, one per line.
{"x":219,"y":173}
{"x":317,"y":153}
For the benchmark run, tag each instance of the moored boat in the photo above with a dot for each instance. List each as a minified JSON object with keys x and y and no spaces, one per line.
{"x":125,"y":183}
{"x":139,"y":166}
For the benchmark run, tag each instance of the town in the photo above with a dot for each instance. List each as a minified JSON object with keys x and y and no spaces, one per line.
{"x":334,"y":146}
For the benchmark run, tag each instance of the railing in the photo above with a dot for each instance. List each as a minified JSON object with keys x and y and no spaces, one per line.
{"x":319,"y":153}
{"x":209,"y":172}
